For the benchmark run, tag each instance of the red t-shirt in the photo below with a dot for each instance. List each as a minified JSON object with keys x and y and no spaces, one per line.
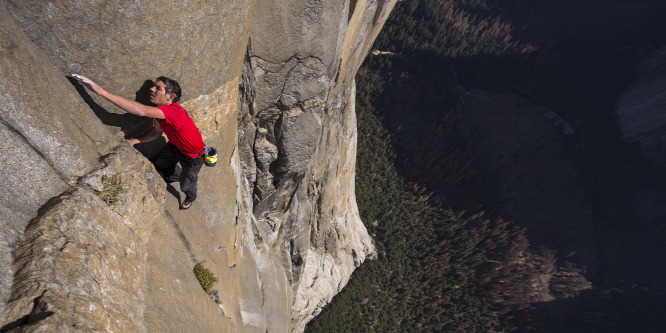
{"x":181,"y":130}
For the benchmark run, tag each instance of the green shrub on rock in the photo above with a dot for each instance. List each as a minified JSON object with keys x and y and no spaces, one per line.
{"x":205,"y":276}
{"x":114,"y":187}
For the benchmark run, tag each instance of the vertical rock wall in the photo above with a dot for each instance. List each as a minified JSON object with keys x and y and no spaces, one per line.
{"x":70,"y":261}
{"x":44,"y":150}
{"x":277,"y":221}
{"x":297,"y":137}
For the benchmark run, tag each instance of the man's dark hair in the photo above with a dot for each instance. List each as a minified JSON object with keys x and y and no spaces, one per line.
{"x":170,"y":87}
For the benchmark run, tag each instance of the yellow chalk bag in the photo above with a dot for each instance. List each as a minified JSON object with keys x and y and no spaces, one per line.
{"x":210,"y":156}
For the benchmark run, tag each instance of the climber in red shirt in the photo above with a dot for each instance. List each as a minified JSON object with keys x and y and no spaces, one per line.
{"x":185,"y":144}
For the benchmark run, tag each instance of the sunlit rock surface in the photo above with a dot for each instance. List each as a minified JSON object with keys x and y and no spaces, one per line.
{"x":299,"y":99}
{"x":270,"y":84}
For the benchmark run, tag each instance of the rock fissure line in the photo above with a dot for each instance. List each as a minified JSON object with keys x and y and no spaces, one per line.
{"x":182,"y":237}
{"x":61,"y":175}
{"x":300,"y":60}
{"x":92,"y":139}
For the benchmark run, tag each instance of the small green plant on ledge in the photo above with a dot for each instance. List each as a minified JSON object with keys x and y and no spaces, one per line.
{"x":204,"y":275}
{"x":113,"y":188}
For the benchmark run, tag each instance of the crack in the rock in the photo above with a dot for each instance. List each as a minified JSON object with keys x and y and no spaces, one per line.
{"x":300,"y":59}
{"x":181,"y":236}
{"x":62,"y":176}
{"x":92,"y":139}
{"x":287,"y":75}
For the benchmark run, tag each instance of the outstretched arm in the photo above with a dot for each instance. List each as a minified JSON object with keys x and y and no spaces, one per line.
{"x":152,"y":134}
{"x":128,"y":105}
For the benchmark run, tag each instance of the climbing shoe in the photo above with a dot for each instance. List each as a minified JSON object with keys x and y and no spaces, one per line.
{"x":186,"y":204}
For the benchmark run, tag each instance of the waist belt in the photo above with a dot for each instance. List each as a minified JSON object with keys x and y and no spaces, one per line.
{"x":199,"y":153}
{"x":210,"y":155}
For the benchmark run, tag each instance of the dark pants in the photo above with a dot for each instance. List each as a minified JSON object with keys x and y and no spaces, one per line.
{"x":167,"y":161}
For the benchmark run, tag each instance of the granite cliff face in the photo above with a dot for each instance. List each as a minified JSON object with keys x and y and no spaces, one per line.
{"x":269,"y":83}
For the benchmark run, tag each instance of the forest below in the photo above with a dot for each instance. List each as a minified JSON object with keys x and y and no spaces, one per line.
{"x":452,"y":256}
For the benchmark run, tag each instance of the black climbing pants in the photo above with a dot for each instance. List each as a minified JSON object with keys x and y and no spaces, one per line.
{"x":167,"y":161}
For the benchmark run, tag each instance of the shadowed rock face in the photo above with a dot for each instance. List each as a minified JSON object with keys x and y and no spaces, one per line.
{"x":276,"y":221}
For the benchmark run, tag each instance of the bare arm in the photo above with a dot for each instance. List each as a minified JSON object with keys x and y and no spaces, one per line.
{"x":128,"y":105}
{"x":152,"y":134}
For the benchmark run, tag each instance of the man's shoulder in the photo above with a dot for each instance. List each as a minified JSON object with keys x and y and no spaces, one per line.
{"x":170,"y":107}
{"x":173,"y":109}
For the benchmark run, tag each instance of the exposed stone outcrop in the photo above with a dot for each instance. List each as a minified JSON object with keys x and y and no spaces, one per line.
{"x":77,"y":252}
{"x":277,"y":220}
{"x":298,"y":140}
{"x":49,"y":138}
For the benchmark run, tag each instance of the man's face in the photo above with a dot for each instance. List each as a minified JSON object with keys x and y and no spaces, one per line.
{"x":158,"y":95}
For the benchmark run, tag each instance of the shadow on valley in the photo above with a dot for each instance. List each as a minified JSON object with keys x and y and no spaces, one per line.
{"x":630,"y":309}
{"x":577,"y":194}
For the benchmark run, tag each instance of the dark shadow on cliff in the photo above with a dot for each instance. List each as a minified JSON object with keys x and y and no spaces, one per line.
{"x":130,"y":125}
{"x":26,"y":320}
{"x":171,"y":189}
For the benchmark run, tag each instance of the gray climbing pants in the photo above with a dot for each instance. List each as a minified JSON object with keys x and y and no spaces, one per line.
{"x":167,"y":161}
